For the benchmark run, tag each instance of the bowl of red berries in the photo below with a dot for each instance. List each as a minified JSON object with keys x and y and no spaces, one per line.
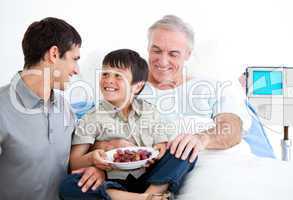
{"x":128,"y":158}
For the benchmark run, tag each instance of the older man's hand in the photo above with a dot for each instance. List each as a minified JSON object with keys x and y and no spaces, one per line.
{"x":185,"y":145}
{"x":91,"y":178}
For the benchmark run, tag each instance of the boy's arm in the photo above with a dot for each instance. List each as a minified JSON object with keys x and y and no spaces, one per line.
{"x":80,"y":157}
{"x":111,"y":144}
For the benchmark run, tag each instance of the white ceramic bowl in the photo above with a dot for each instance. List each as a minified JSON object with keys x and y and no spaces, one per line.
{"x":131,"y":165}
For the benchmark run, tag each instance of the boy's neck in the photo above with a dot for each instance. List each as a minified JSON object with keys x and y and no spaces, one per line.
{"x":126,"y":108}
{"x":125,"y":111}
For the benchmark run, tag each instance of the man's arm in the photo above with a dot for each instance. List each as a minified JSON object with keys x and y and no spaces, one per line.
{"x":1,"y":141}
{"x":2,"y":137}
{"x":226,"y":134}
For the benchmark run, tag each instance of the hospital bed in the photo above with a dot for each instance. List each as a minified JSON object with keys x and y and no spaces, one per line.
{"x":237,"y":174}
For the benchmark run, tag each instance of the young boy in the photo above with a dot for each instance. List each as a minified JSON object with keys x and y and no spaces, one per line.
{"x":123,"y":116}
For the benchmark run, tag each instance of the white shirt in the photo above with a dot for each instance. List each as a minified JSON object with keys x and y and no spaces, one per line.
{"x":192,"y":106}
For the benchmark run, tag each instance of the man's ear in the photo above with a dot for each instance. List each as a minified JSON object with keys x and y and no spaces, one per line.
{"x":137,"y":86}
{"x":187,"y":54}
{"x":52,"y":54}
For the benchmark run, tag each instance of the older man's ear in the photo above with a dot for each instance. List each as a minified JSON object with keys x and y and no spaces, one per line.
{"x":187,"y":54}
{"x":137,"y":86}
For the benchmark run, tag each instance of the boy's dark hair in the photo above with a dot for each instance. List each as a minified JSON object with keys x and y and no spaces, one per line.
{"x":42,"y":35}
{"x":128,"y":59}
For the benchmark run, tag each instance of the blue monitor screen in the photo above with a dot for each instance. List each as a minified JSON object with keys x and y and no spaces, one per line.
{"x":267,"y":83}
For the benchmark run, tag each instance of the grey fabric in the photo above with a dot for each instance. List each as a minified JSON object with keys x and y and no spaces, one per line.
{"x":35,"y":140}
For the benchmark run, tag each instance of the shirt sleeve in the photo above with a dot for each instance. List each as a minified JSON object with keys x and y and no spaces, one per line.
{"x":85,"y":131}
{"x":232,"y":100}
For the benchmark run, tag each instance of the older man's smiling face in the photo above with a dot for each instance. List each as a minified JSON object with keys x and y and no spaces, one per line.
{"x":168,"y":50}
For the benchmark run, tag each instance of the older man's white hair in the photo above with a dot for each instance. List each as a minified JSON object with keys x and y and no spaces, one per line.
{"x":174,"y":23}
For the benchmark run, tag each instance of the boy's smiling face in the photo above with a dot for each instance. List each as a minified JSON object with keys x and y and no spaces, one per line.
{"x":115,"y":85}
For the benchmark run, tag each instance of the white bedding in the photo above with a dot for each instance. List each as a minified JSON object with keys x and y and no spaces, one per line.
{"x":237,"y":174}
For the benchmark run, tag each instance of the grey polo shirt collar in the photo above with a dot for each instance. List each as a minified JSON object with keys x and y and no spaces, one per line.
{"x":27,"y":97}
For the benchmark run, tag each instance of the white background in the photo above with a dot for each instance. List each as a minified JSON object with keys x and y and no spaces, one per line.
{"x":230,"y":34}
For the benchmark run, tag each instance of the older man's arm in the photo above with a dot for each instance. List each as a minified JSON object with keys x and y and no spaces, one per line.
{"x":226,"y":134}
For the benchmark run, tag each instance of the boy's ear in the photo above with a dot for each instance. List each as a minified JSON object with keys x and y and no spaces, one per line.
{"x":137,"y":86}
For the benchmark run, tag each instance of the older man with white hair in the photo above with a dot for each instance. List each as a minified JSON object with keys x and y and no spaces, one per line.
{"x":181,"y":97}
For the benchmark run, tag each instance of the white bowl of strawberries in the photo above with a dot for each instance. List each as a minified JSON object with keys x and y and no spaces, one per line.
{"x":129,"y":158}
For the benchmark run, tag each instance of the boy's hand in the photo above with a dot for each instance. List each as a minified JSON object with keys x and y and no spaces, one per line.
{"x":162,"y":148}
{"x":98,"y":158}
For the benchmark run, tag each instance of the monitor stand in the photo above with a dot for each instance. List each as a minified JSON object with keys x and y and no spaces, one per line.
{"x":286,"y":145}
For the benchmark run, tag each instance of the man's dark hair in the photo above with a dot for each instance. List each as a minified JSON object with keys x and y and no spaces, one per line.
{"x":42,"y":35}
{"x":128,"y":59}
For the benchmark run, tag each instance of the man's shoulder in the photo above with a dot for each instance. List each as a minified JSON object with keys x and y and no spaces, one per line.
{"x":4,"y":96}
{"x":202,"y":79}
{"x":4,"y":91}
{"x":4,"y":101}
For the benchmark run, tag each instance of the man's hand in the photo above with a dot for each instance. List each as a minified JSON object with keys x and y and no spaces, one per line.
{"x":99,"y":158}
{"x":92,"y":177}
{"x":187,"y":144}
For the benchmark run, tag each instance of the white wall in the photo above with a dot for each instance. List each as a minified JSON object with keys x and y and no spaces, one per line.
{"x":230,"y":34}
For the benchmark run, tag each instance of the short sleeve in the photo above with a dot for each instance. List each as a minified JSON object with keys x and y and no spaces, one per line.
{"x":85,"y":131}
{"x":232,"y":100}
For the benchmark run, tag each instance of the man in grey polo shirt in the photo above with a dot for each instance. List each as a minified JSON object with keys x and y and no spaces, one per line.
{"x":36,"y":124}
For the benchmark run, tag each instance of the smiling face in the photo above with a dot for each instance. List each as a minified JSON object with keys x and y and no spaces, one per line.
{"x":65,"y":67}
{"x":115,"y":85}
{"x":168,"y":50}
